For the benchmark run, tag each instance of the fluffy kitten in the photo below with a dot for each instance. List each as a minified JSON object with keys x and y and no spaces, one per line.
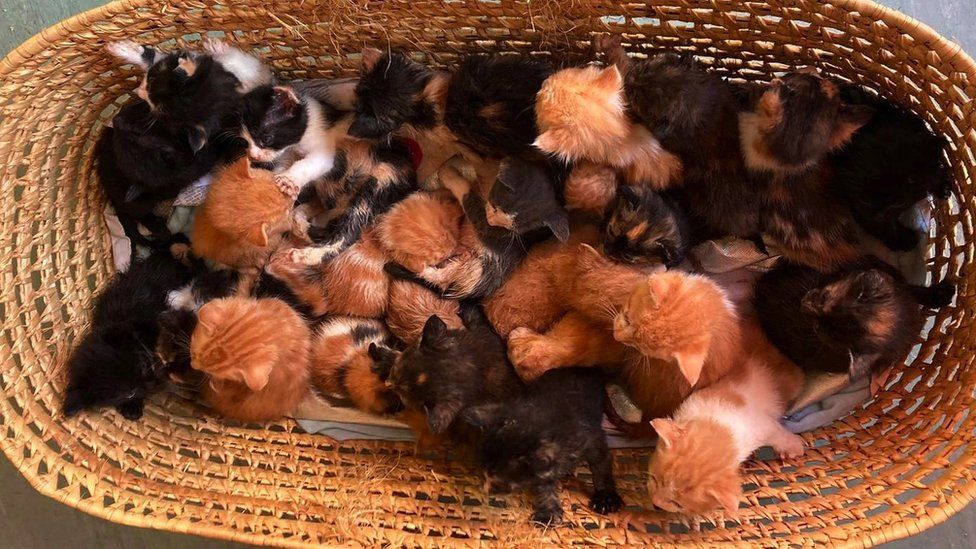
{"x":796,"y":123}
{"x":113,"y":364}
{"x":695,"y":468}
{"x":243,"y":219}
{"x":367,"y":180}
{"x":581,"y":113}
{"x":353,"y":283}
{"x":891,"y":163}
{"x":411,"y":304}
{"x":590,"y":188}
{"x":694,"y":115}
{"x":642,"y":227}
{"x":342,"y":363}
{"x":255,"y":354}
{"x":279,"y":124}
{"x":862,"y":318}
{"x":422,"y":230}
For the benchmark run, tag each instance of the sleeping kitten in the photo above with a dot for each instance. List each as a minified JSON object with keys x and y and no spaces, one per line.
{"x":422,"y":230}
{"x":243,"y":219}
{"x":280,"y":124}
{"x":255,"y":354}
{"x":797,"y":122}
{"x":411,"y":304}
{"x":582,"y":115}
{"x":113,"y":363}
{"x":642,"y":227}
{"x":891,"y":163}
{"x":590,"y":188}
{"x":862,"y":318}
{"x":695,"y":467}
{"x":342,"y":363}
{"x":694,"y":115}
{"x":368,"y":179}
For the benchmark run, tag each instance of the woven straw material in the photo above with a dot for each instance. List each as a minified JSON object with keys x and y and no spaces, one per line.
{"x":893,"y":469}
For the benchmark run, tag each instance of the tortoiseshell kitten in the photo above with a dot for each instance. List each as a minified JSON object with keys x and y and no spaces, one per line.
{"x":862,"y":318}
{"x":113,"y":364}
{"x":694,"y":114}
{"x":642,"y":227}
{"x":891,"y":163}
{"x":797,"y":122}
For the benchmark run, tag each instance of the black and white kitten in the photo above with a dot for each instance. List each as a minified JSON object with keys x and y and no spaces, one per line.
{"x":114,"y":364}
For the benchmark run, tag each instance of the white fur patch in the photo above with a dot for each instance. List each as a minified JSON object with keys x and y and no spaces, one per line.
{"x":249,"y":70}
{"x":127,"y":51}
{"x":182,"y":299}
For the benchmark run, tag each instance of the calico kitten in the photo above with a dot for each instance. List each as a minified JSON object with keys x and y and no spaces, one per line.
{"x":694,"y":115}
{"x":279,"y":124}
{"x":140,"y":164}
{"x":785,"y":140}
{"x":243,"y":219}
{"x":255,"y":354}
{"x":343,"y":365}
{"x":536,"y":439}
{"x":353,"y":283}
{"x":369,"y":178}
{"x":862,"y":318}
{"x":113,"y":364}
{"x":642,"y":227}
{"x":891,"y":163}
{"x":581,"y":113}
{"x":695,"y":467}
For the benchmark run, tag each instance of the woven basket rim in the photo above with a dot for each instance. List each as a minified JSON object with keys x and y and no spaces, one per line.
{"x":950,"y":51}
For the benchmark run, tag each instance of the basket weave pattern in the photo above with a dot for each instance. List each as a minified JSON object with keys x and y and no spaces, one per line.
{"x":902,"y":464}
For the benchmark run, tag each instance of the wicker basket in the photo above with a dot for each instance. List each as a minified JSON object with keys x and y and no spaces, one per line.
{"x":899,"y":466}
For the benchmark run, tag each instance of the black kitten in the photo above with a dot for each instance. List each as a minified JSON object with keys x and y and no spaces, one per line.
{"x":533,"y":440}
{"x":642,"y":227}
{"x":390,"y":94}
{"x":862,"y":318}
{"x":491,"y":103}
{"x":891,"y":163}
{"x":114,"y":364}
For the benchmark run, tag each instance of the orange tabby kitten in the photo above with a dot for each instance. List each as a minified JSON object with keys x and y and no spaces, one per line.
{"x":582,"y":115}
{"x":422,"y":230}
{"x":695,"y":467}
{"x":255,"y":353}
{"x":590,"y":188}
{"x":243,"y":219}
{"x":341,"y":364}
{"x":353,"y":283}
{"x":411,"y":305}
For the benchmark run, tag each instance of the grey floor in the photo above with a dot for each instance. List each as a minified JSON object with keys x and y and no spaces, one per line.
{"x":30,"y":520}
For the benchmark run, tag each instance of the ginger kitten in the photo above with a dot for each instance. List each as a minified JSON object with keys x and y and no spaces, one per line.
{"x":255,"y":354}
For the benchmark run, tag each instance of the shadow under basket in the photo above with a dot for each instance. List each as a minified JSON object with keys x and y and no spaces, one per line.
{"x":903,"y":463}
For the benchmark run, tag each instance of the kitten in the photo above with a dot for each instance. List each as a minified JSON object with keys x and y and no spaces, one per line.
{"x":368,"y":180}
{"x":255,"y":354}
{"x":113,"y":364}
{"x":342,"y":363}
{"x":862,"y":318}
{"x":536,"y":439}
{"x":642,"y":227}
{"x":695,"y":467}
{"x":278,"y":124}
{"x":891,"y":163}
{"x":796,"y":123}
{"x":243,"y":219}
{"x":590,"y":188}
{"x":694,"y":115}
{"x":411,"y":304}
{"x":422,"y":230}
{"x":523,"y":198}
{"x":353,"y":283}
{"x":581,"y":114}
{"x":140,"y":164}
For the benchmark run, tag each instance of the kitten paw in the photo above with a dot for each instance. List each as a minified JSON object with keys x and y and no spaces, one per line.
{"x":604,"y":43}
{"x":606,"y":501}
{"x":306,"y":256}
{"x":300,"y":225}
{"x":126,"y":50}
{"x":790,"y":447}
{"x":547,"y":517}
{"x":287,"y":186}
{"x":215,"y":46}
{"x":528,"y":353}
{"x":131,"y":410}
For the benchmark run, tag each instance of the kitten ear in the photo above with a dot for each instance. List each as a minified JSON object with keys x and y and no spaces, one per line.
{"x":257,"y":235}
{"x":652,"y":300}
{"x":548,"y":141}
{"x":691,"y":363}
{"x":286,"y":98}
{"x":134,"y":192}
{"x":727,"y":501}
{"x":241,"y":167}
{"x":851,"y":118}
{"x":434,"y":331}
{"x":558,"y":223}
{"x":196,"y":137}
{"x":609,"y":79}
{"x":371,"y":56}
{"x":630,"y":195}
{"x":256,"y":377}
{"x":667,"y":431}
